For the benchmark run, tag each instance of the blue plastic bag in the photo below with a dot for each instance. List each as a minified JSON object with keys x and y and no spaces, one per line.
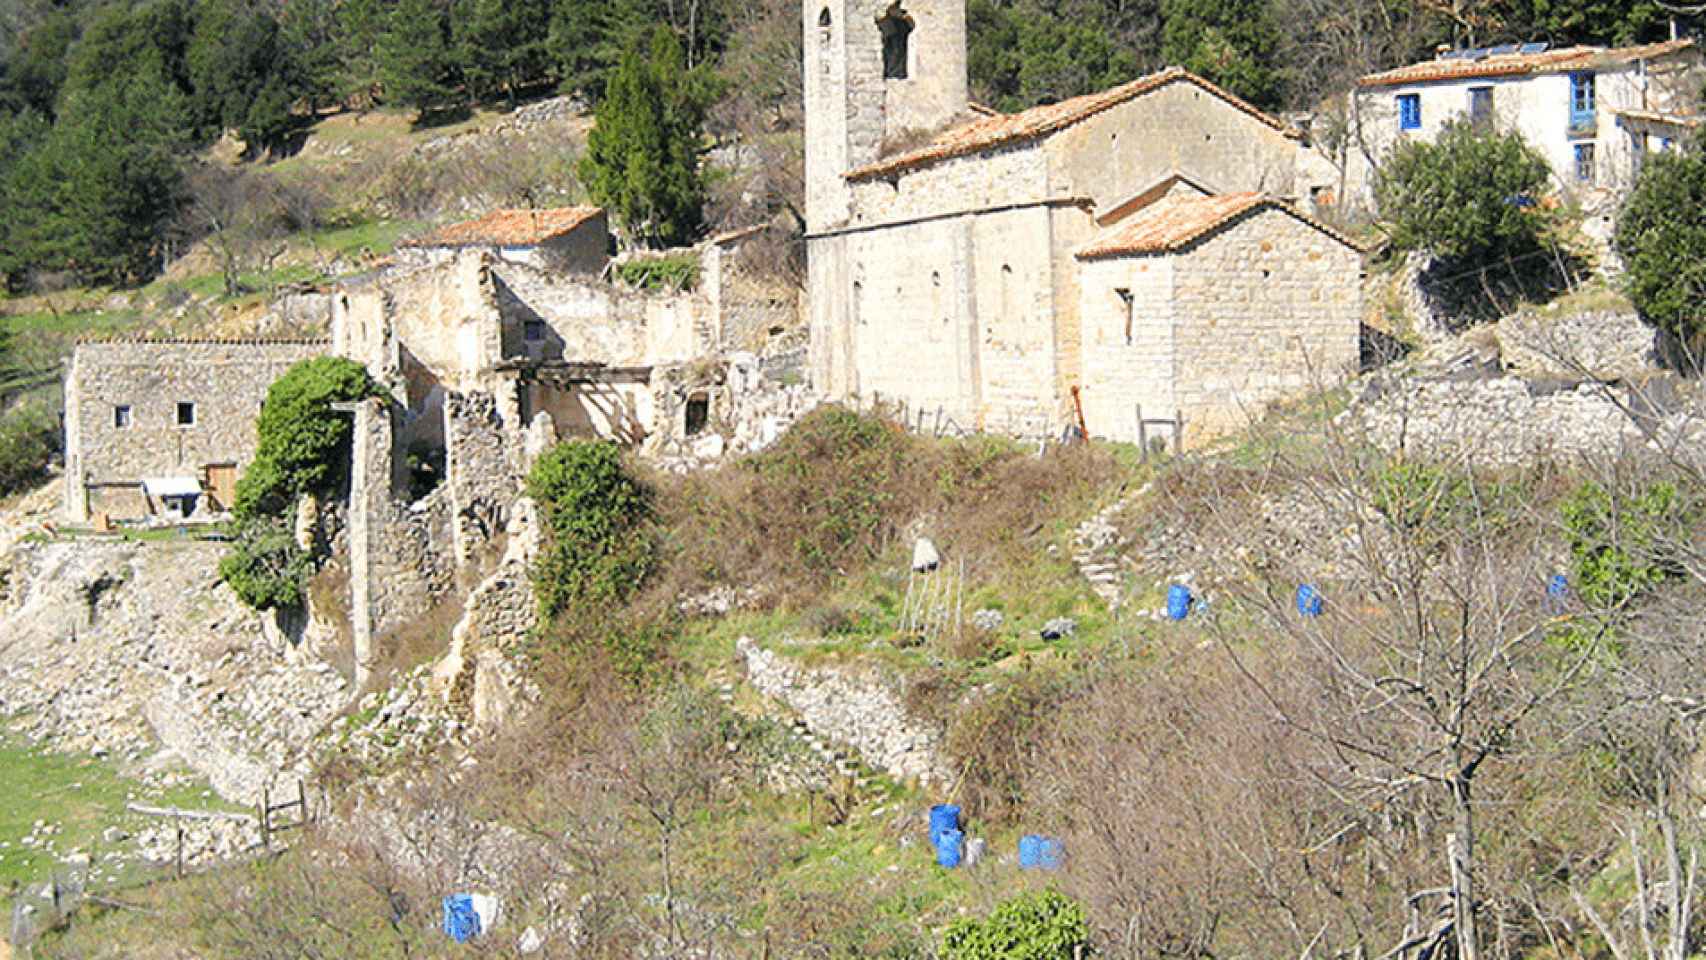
{"x":461,"y":920}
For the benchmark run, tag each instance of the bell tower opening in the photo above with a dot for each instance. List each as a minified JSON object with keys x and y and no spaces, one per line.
{"x":896,"y":28}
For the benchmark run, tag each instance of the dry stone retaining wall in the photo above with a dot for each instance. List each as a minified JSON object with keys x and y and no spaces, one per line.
{"x":865,"y":712}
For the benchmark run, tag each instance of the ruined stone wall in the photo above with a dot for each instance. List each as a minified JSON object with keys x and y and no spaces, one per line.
{"x":225,"y":380}
{"x":859,"y":708}
{"x":1264,"y":309}
{"x":1122,"y":375}
{"x":482,"y":461}
{"x":1002,"y":177}
{"x":593,"y":321}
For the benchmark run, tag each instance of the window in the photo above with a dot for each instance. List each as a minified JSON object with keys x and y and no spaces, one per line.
{"x":1584,"y":162}
{"x":186,"y":414}
{"x":121,"y":416}
{"x":1638,"y":150}
{"x":896,"y":27}
{"x":533,"y":331}
{"x":1481,"y":106}
{"x":1581,"y":100}
{"x":698,"y":414}
{"x":1126,"y":301}
{"x":1409,"y":111}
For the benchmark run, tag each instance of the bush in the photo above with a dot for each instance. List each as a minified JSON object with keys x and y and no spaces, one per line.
{"x":600,"y":549}
{"x":1044,"y":925}
{"x":301,"y":438}
{"x":1616,"y":543}
{"x":1465,"y":197}
{"x":265,"y":567}
{"x":675,"y":272}
{"x":1662,"y":240}
{"x":28,"y":440}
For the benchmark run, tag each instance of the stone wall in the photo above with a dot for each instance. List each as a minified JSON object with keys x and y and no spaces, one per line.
{"x":862,"y":710}
{"x":1121,"y":376}
{"x":1267,"y":309}
{"x":226,"y":381}
{"x":481,"y":467}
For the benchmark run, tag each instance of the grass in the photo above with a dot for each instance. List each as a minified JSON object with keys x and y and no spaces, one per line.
{"x":81,"y":794}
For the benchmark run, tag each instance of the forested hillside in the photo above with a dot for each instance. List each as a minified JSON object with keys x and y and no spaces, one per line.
{"x":103,"y":104}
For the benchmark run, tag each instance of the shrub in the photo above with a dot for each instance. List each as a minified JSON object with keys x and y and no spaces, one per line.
{"x":1044,"y":925}
{"x":1616,"y":543}
{"x":301,"y":438}
{"x":600,"y":549}
{"x":28,"y":439}
{"x":1662,"y":240}
{"x":674,"y":272}
{"x":265,"y":567}
{"x":1465,"y":197}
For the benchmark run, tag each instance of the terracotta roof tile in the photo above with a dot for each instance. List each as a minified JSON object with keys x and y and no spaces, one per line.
{"x":1175,"y":222}
{"x":508,"y":228}
{"x":1669,"y":119}
{"x":1039,"y":122}
{"x":1521,"y":64}
{"x":123,"y":339}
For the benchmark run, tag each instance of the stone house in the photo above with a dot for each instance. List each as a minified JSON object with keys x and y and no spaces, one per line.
{"x":559,"y":240}
{"x":163,"y":428}
{"x":1222,"y":304}
{"x":1593,"y":112}
{"x":952,"y":233}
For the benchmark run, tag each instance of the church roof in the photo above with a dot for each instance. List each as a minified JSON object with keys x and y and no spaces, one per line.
{"x":1039,"y":122}
{"x":1484,"y":63}
{"x":1175,"y":222}
{"x":508,"y":228}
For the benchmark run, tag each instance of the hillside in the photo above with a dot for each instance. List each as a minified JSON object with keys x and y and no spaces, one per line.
{"x":738,"y":759}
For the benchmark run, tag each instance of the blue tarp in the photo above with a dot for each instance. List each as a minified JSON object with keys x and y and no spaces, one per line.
{"x":461,"y":920}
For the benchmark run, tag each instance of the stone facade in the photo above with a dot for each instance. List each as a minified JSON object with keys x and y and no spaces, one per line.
{"x":126,"y":419}
{"x":1261,"y":309}
{"x":943,"y":277}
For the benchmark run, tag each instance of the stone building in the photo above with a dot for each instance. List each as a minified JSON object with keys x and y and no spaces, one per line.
{"x":560,"y":240}
{"x":163,"y":428}
{"x":1595,"y":113}
{"x":942,"y":241}
{"x":1222,"y":303}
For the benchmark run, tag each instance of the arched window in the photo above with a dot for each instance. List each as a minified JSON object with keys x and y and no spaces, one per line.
{"x":824,"y":23}
{"x":896,"y":27}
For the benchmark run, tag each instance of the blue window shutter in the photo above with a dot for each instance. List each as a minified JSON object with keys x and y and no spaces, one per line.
{"x":1409,"y":111}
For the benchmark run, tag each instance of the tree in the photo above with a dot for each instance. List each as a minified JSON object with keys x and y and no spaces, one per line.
{"x":586,"y":40}
{"x":265,"y":567}
{"x":301,"y":439}
{"x":1029,"y":53}
{"x":501,"y":44}
{"x":1467,"y":197}
{"x":1230,"y":42}
{"x":599,"y":551}
{"x":1661,"y":236}
{"x":642,"y":159}
{"x":241,"y":72}
{"x":416,"y":65}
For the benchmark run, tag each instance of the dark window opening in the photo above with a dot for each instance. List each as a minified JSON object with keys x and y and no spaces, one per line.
{"x":1584,"y":162}
{"x":1126,"y":299}
{"x":533,"y":330}
{"x":1481,"y":106}
{"x":896,"y":27}
{"x":121,"y":416}
{"x":698,"y":414}
{"x":425,"y":464}
{"x":186,"y":414}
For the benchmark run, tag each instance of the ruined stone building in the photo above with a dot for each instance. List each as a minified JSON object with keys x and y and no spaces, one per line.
{"x":559,"y":240}
{"x":944,"y":243}
{"x":163,"y":428}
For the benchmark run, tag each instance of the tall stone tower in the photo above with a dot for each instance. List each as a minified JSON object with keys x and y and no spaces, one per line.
{"x":874,"y":70}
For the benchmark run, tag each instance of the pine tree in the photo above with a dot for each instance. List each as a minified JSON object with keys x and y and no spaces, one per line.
{"x":1229,"y":42}
{"x":501,"y":43}
{"x":642,"y":159}
{"x":416,"y":66}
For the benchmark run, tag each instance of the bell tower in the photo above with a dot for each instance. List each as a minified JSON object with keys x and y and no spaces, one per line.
{"x":874,"y":70}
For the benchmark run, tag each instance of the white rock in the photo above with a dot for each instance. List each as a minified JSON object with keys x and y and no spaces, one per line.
{"x":924,"y":555}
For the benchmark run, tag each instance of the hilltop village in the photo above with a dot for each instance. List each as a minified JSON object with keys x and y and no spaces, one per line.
{"x":1093,"y":528}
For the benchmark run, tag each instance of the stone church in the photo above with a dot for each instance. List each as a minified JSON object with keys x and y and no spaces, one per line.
{"x":1134,"y":254}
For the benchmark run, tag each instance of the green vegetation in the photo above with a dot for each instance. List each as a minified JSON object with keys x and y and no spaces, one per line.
{"x":674,"y":272}
{"x":302,"y":442}
{"x":600,"y":550}
{"x":1468,"y":197}
{"x":28,"y":439}
{"x":1624,"y":543}
{"x":1227,"y":42}
{"x":642,"y":158}
{"x":1045,"y":925}
{"x":265,"y":566}
{"x":1663,"y":245}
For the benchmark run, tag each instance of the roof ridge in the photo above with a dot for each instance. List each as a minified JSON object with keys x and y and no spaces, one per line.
{"x":121,"y":339}
{"x":1140,"y":234}
{"x":1042,"y":121}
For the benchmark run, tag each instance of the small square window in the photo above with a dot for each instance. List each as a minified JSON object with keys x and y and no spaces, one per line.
{"x":1481,"y":106}
{"x":1409,"y":111}
{"x":1584,"y":162}
{"x":121,"y":416}
{"x":533,"y":331}
{"x":186,"y":414}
